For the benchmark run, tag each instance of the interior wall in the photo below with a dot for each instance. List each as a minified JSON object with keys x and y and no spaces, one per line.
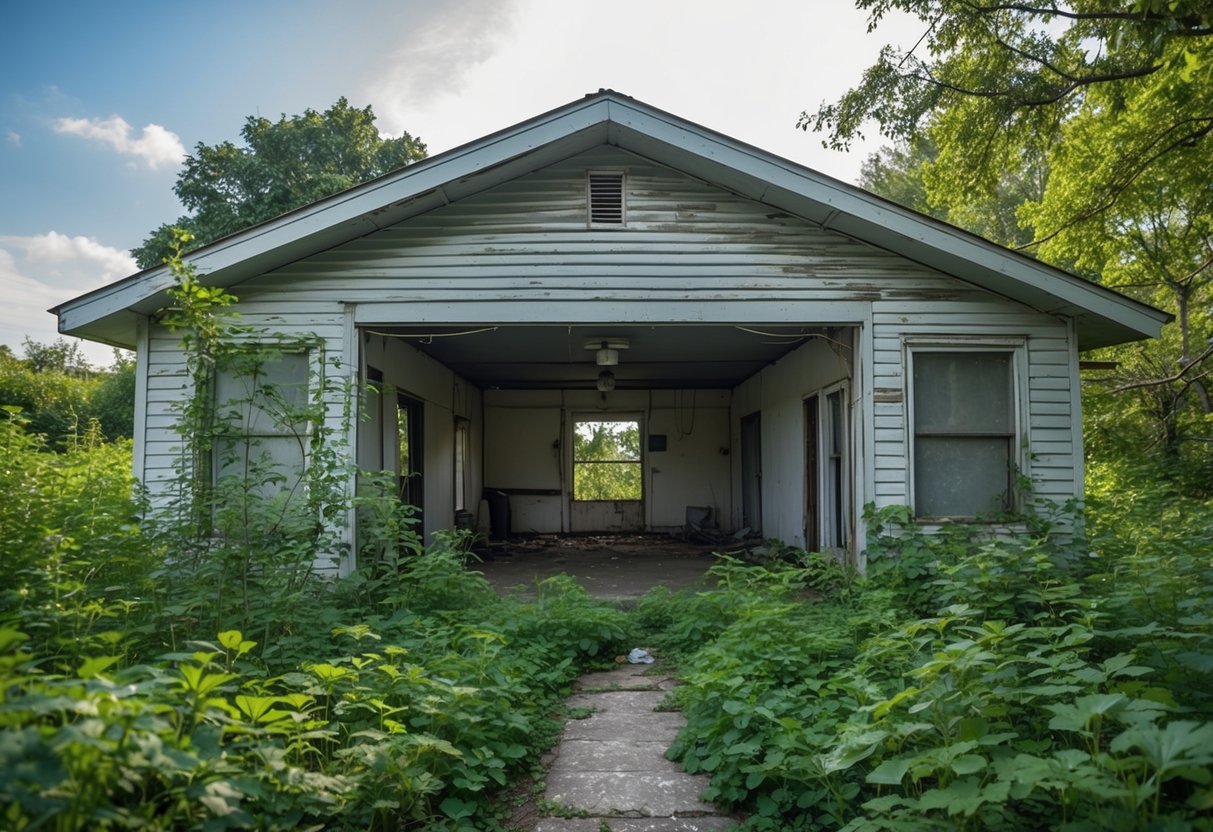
{"x":694,"y":469}
{"x":778,"y":393}
{"x":528,"y":436}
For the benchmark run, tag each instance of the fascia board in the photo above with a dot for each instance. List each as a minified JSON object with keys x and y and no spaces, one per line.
{"x":755,"y":174}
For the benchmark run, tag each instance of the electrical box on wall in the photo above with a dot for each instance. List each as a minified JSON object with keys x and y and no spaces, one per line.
{"x":656,"y":442}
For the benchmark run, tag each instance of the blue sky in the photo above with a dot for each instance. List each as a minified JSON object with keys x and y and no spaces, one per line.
{"x":99,"y":102}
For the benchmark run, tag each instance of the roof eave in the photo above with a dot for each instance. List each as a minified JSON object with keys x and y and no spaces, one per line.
{"x":1105,"y":317}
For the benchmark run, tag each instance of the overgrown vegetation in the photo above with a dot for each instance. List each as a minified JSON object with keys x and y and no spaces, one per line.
{"x":404,"y":696}
{"x":970,"y":682}
{"x":185,"y":666}
{"x":60,"y":393}
{"x":190,"y":669}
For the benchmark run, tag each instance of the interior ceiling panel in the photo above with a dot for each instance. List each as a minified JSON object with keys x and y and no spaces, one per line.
{"x":564,"y":356}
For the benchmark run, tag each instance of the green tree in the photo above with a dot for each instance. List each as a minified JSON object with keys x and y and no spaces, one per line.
{"x":998,"y":83}
{"x":58,"y":393}
{"x":282,"y":165}
{"x":1080,"y":132}
{"x":606,"y":461}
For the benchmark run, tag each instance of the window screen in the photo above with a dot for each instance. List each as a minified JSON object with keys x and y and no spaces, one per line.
{"x":964,"y":432}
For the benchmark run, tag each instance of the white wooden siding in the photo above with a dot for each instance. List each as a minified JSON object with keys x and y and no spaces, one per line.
{"x":525,"y":250}
{"x":1052,"y":442}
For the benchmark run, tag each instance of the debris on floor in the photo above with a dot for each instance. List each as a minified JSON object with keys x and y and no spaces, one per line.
{"x":638,"y":655}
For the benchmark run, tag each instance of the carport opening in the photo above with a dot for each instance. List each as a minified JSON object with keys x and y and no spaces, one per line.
{"x":552,"y":430}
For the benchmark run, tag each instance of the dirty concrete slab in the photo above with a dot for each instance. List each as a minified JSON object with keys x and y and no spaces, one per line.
{"x":615,"y":680}
{"x":686,"y":824}
{"x":659,"y":727}
{"x":621,"y":568}
{"x":613,"y":755}
{"x":618,"y":701}
{"x":629,"y":793}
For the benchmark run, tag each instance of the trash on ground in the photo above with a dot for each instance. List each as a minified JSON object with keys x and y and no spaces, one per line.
{"x":638,"y":655}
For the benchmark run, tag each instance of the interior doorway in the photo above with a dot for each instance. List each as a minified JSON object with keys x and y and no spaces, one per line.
{"x":828,"y":520}
{"x":812,"y":474}
{"x":410,"y":450}
{"x":607,"y":492}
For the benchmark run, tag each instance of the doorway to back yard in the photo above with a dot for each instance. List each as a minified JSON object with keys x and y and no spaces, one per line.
{"x":608,"y":477}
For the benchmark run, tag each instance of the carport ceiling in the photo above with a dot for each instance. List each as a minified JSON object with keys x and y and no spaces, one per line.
{"x":556,"y":357}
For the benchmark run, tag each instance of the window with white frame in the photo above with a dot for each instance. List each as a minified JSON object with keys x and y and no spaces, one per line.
{"x":261,"y":432}
{"x":964,"y":425}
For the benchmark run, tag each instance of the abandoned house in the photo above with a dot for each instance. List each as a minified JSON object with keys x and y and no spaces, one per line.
{"x":611,"y":319}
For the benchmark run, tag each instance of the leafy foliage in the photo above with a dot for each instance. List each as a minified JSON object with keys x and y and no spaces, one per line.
{"x":974,"y":682}
{"x":1079,"y":132}
{"x":283,"y":165}
{"x":606,"y":461}
{"x":59,"y":393}
{"x":999,"y":82}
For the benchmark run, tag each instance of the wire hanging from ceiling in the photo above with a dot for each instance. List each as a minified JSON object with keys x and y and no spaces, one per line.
{"x":428,"y":337}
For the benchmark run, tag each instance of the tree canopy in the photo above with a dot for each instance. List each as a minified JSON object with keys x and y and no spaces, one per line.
{"x":57,"y":393}
{"x":1081,"y":132}
{"x":281,"y":166}
{"x":1004,"y":84}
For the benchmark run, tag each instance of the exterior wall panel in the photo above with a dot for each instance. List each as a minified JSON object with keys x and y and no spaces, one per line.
{"x":526,"y":247}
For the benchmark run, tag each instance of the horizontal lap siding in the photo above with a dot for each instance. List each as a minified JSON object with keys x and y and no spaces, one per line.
{"x":1052,"y":444}
{"x":527,"y":242}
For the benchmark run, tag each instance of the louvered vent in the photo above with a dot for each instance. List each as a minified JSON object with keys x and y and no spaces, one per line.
{"x":606,"y":199}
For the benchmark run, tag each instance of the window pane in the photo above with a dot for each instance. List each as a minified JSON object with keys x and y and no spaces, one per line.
{"x":961,"y":476}
{"x":267,"y":466}
{"x":262,"y":396}
{"x":963,"y":392}
{"x":606,"y":441}
{"x":606,"y":481}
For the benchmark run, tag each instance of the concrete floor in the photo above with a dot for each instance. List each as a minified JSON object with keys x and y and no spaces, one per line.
{"x":615,"y":567}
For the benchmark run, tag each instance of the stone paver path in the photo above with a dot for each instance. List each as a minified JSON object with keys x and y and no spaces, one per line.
{"x":611,"y":769}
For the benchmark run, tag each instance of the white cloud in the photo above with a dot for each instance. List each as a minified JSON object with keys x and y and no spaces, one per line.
{"x":745,"y":72}
{"x":14,"y":137}
{"x":45,"y":270}
{"x":59,"y":251}
{"x":440,"y":51}
{"x":155,"y":146}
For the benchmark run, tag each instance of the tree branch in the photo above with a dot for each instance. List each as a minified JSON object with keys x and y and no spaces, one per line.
{"x":1193,"y":25}
{"x":1159,"y":382}
{"x":1131,"y":176}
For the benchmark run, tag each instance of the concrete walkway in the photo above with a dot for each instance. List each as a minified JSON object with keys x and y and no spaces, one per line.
{"x":610,"y":768}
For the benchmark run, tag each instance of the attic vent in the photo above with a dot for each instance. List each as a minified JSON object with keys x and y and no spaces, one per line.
{"x":606,"y":198}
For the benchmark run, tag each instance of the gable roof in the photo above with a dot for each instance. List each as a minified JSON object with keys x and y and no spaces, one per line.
{"x":1103,"y":316}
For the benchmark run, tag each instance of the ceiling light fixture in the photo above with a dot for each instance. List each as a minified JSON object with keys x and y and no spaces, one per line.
{"x":606,"y":381}
{"x":606,"y":349}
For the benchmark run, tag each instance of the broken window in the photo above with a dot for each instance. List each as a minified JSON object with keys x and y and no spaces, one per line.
{"x":964,"y":427}
{"x":606,"y":460}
